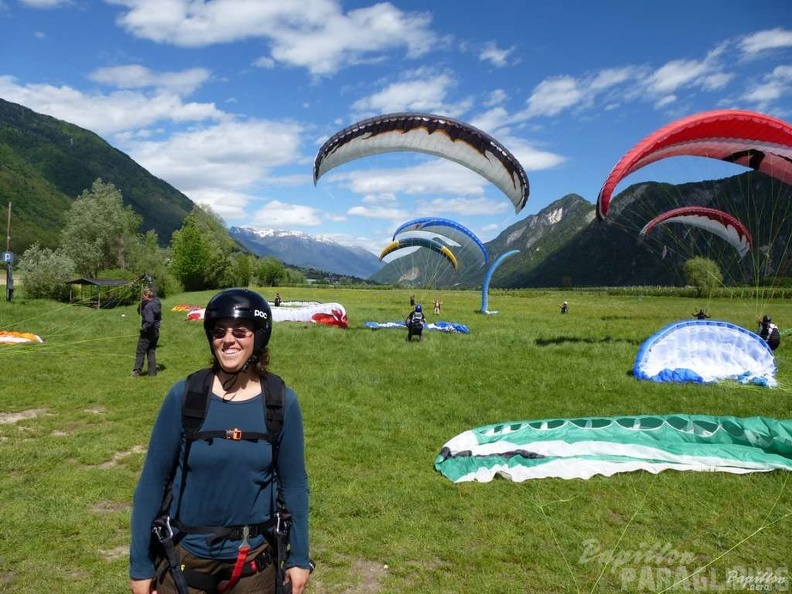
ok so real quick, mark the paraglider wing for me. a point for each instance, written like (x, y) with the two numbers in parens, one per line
(755, 140)
(585, 447)
(705, 351)
(716, 221)
(431, 134)
(431, 244)
(445, 228)
(488, 278)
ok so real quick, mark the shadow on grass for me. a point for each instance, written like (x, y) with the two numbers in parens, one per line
(577, 339)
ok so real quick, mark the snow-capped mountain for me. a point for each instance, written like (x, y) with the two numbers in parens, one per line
(308, 251)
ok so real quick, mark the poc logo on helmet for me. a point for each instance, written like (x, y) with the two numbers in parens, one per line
(257, 313)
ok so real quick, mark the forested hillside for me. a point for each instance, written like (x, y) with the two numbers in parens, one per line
(46, 163)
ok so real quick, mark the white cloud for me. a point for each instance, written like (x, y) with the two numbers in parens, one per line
(311, 34)
(282, 215)
(45, 4)
(425, 94)
(494, 55)
(763, 41)
(106, 114)
(773, 87)
(551, 97)
(134, 76)
(221, 164)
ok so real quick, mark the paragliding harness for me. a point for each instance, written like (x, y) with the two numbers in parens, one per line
(195, 404)
(416, 323)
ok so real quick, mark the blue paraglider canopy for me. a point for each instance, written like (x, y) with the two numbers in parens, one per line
(705, 351)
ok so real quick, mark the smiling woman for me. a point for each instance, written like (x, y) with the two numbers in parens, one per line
(217, 525)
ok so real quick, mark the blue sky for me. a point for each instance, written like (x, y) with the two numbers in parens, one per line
(229, 100)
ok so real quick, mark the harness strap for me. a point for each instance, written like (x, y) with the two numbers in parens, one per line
(227, 532)
(164, 533)
(232, 434)
(236, 573)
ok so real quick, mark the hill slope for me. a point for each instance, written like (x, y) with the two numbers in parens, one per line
(46, 163)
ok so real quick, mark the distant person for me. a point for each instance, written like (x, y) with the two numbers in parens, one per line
(412, 300)
(437, 304)
(415, 323)
(769, 332)
(277, 300)
(564, 307)
(700, 315)
(150, 310)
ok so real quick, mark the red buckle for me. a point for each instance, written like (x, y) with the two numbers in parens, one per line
(234, 434)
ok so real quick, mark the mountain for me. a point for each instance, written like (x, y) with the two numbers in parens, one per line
(537, 236)
(46, 163)
(307, 251)
(564, 245)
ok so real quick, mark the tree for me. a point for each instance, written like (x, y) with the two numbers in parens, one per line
(44, 272)
(270, 271)
(190, 256)
(704, 274)
(99, 231)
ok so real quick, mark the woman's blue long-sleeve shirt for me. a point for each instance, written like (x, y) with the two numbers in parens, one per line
(229, 483)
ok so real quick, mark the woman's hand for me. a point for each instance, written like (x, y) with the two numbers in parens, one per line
(298, 578)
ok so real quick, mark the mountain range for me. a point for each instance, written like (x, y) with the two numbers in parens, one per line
(46, 163)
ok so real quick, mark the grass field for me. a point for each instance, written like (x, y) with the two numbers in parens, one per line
(74, 429)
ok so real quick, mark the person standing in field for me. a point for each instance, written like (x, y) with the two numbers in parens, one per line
(437, 303)
(564, 307)
(150, 310)
(700, 315)
(239, 505)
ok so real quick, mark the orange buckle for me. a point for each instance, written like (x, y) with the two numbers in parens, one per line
(235, 434)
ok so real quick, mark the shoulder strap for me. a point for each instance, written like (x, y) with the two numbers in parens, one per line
(195, 404)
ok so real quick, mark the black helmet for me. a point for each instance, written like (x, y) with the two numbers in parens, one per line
(241, 304)
(767, 319)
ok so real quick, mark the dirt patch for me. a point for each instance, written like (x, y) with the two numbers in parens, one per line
(109, 507)
(138, 449)
(117, 553)
(11, 418)
(371, 573)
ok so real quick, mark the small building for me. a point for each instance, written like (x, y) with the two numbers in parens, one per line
(102, 292)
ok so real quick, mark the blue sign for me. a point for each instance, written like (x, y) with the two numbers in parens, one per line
(8, 257)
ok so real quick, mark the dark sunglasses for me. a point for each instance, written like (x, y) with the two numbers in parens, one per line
(236, 332)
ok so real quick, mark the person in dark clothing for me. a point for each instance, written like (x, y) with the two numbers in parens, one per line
(700, 315)
(769, 332)
(564, 307)
(415, 323)
(278, 300)
(412, 300)
(150, 310)
(223, 500)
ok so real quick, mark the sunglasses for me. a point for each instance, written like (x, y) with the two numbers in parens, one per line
(236, 332)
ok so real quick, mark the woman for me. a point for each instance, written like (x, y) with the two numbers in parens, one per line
(223, 507)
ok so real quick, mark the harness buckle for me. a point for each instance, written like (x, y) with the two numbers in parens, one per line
(233, 434)
(162, 529)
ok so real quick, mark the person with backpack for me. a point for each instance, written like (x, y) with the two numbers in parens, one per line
(769, 332)
(227, 452)
(415, 323)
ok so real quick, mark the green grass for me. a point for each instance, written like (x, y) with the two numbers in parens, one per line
(377, 411)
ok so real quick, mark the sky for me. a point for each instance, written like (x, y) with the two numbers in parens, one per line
(230, 100)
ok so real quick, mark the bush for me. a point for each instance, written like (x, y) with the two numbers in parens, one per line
(44, 273)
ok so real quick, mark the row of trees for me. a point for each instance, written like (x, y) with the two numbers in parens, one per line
(102, 238)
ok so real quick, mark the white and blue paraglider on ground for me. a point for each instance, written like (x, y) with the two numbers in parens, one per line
(705, 351)
(488, 277)
(585, 447)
